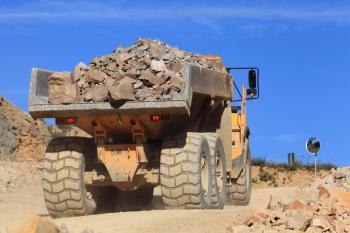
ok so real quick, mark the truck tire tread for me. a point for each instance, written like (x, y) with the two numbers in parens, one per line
(63, 179)
(180, 172)
(240, 190)
(218, 197)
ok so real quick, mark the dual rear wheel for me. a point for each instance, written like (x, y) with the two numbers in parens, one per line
(192, 171)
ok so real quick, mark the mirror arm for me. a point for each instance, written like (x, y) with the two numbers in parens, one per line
(257, 81)
(237, 89)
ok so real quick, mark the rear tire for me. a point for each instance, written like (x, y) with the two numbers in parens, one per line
(240, 189)
(185, 172)
(63, 177)
(219, 193)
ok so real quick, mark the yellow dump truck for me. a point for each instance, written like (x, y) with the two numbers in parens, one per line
(196, 148)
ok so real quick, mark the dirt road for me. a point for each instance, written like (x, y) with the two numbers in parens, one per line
(26, 201)
(166, 220)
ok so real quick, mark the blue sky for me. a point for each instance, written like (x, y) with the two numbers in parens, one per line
(301, 47)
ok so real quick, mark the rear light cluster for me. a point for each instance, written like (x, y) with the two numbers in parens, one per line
(71, 120)
(65, 121)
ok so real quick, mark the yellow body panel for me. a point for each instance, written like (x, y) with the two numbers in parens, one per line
(239, 124)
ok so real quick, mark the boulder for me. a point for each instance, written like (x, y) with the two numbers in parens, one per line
(169, 57)
(145, 93)
(95, 76)
(339, 173)
(298, 219)
(127, 81)
(298, 205)
(156, 51)
(176, 83)
(88, 95)
(158, 65)
(254, 220)
(61, 89)
(123, 92)
(109, 81)
(123, 57)
(178, 53)
(111, 66)
(138, 84)
(277, 218)
(99, 93)
(132, 72)
(175, 66)
(150, 79)
(321, 223)
(262, 202)
(79, 71)
(37, 224)
(250, 219)
(343, 197)
(322, 192)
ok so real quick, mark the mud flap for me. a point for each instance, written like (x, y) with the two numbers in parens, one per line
(237, 166)
(239, 162)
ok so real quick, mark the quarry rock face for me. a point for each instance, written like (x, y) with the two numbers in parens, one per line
(21, 137)
(149, 70)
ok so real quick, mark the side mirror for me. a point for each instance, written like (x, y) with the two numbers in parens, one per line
(252, 83)
(253, 87)
(252, 79)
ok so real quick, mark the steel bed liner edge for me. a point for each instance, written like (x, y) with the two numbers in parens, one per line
(200, 81)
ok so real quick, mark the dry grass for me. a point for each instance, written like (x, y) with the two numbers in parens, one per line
(262, 162)
(273, 174)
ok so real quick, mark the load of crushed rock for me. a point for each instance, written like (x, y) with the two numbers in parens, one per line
(21, 137)
(149, 70)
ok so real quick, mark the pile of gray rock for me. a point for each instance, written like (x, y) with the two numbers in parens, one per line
(319, 207)
(341, 177)
(149, 70)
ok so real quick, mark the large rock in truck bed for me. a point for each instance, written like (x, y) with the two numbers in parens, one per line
(149, 70)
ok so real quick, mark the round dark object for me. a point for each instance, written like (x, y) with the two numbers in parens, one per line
(313, 145)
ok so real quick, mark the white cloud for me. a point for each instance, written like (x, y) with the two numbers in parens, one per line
(282, 138)
(205, 15)
(285, 138)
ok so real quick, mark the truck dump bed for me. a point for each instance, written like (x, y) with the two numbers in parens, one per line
(198, 81)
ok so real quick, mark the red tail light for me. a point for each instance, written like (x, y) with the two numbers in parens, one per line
(70, 120)
(65, 121)
(155, 118)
